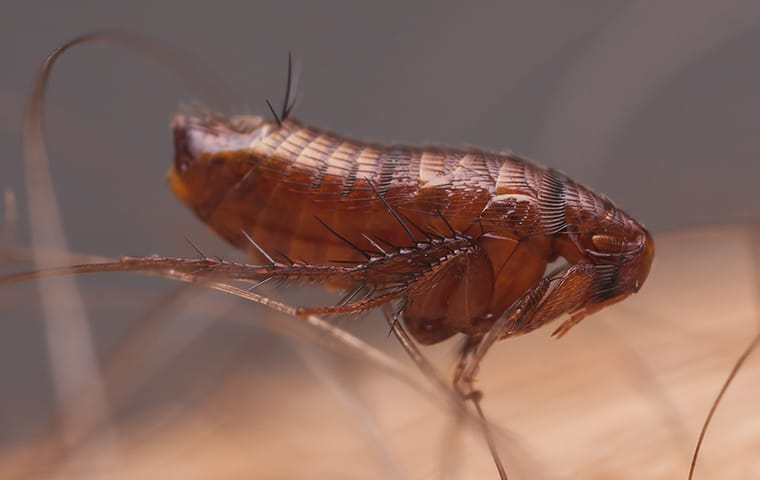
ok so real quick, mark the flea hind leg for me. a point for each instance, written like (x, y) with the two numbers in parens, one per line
(404, 274)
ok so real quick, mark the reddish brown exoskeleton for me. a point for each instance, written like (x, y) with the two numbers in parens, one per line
(460, 239)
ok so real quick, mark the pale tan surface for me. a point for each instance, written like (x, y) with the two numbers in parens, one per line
(621, 396)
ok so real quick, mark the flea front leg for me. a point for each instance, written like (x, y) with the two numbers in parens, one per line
(577, 290)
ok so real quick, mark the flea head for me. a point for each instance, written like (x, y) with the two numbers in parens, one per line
(630, 247)
(638, 266)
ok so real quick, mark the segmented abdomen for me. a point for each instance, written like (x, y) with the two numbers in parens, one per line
(289, 180)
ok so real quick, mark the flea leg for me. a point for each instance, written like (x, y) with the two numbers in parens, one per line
(577, 290)
(405, 274)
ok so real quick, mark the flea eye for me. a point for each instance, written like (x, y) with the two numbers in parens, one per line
(611, 244)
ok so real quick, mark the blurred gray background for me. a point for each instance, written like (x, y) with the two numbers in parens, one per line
(653, 103)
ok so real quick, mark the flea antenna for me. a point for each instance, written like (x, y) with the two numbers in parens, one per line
(274, 114)
(344, 239)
